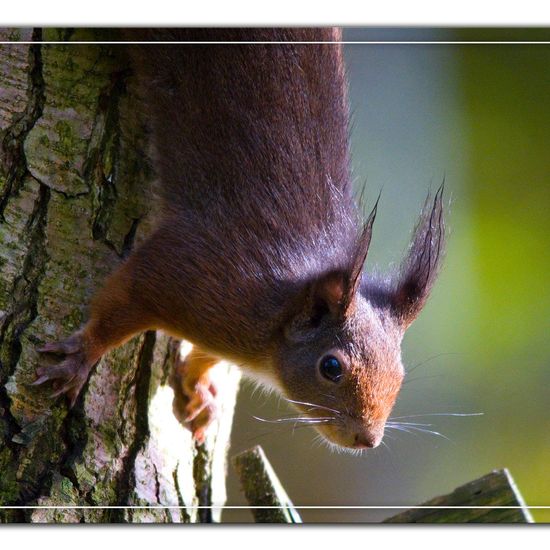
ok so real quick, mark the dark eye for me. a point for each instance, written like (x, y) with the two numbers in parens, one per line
(331, 368)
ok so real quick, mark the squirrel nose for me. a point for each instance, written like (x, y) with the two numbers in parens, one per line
(367, 440)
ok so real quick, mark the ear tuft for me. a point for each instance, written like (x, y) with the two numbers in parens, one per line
(420, 267)
(358, 260)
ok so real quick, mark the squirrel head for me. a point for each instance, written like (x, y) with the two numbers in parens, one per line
(339, 359)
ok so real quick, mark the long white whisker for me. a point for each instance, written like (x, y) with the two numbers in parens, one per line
(407, 424)
(400, 428)
(415, 429)
(432, 432)
(314, 405)
(294, 415)
(436, 414)
(298, 420)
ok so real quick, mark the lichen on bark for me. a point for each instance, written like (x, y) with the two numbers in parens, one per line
(75, 198)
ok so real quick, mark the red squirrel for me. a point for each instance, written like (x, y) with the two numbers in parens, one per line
(258, 252)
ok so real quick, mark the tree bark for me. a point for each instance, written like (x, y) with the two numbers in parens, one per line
(75, 198)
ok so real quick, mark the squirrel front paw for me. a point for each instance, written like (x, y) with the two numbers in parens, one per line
(195, 393)
(65, 364)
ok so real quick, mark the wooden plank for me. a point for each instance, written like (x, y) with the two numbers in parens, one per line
(262, 487)
(496, 489)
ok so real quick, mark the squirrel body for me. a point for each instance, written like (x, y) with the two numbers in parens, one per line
(258, 252)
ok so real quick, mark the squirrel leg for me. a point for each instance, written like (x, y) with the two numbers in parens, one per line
(195, 394)
(116, 316)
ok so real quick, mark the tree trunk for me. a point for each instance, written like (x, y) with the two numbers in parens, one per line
(75, 195)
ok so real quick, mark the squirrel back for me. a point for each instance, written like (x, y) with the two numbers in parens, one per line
(237, 124)
(252, 154)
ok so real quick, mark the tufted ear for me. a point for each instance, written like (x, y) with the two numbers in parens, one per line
(361, 249)
(322, 297)
(419, 269)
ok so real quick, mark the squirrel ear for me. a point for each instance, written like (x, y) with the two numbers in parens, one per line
(358, 260)
(323, 296)
(332, 293)
(421, 264)
(326, 295)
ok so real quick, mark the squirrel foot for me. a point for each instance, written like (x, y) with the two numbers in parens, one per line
(194, 392)
(69, 372)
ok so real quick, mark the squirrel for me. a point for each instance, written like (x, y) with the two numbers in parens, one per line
(257, 255)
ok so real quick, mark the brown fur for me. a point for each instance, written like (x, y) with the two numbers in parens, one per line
(259, 249)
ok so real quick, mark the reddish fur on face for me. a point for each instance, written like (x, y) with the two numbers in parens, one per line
(258, 252)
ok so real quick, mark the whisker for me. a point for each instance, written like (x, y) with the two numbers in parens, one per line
(294, 415)
(346, 409)
(297, 420)
(407, 380)
(435, 414)
(307, 404)
(279, 429)
(317, 441)
(422, 363)
(397, 423)
(413, 430)
(389, 423)
(386, 446)
(399, 428)
(432, 432)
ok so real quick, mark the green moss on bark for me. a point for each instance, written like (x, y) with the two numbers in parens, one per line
(74, 196)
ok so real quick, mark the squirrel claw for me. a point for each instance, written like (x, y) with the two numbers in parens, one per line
(64, 388)
(39, 380)
(69, 373)
(68, 346)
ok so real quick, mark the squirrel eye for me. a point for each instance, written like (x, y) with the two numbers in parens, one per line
(331, 368)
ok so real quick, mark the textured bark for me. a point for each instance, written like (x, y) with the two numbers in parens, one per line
(496, 489)
(262, 488)
(75, 197)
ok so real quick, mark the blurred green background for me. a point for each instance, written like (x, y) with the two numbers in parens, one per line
(478, 115)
